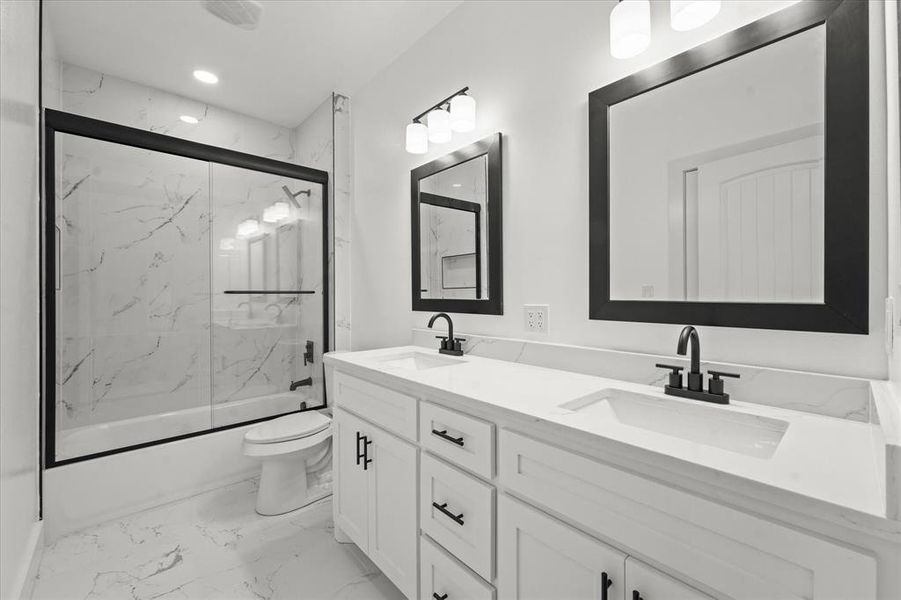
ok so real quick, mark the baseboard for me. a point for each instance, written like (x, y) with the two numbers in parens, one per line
(23, 585)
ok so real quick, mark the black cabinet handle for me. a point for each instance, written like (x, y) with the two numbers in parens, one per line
(437, 597)
(636, 595)
(366, 460)
(458, 519)
(359, 452)
(606, 582)
(443, 435)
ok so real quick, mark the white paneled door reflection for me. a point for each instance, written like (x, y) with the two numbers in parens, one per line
(759, 225)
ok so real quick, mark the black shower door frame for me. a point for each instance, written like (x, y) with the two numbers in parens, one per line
(62, 122)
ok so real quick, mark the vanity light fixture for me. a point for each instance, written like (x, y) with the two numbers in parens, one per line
(248, 228)
(690, 14)
(457, 112)
(189, 119)
(205, 76)
(439, 126)
(463, 113)
(630, 28)
(417, 138)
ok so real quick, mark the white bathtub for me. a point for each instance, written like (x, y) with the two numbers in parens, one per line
(90, 439)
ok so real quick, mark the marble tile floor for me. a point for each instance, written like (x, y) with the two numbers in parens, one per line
(211, 546)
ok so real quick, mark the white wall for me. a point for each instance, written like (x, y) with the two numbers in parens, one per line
(531, 66)
(19, 299)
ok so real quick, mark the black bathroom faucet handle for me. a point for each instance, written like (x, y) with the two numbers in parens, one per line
(718, 374)
(675, 376)
(715, 385)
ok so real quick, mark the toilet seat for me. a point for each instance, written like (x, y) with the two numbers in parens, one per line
(290, 427)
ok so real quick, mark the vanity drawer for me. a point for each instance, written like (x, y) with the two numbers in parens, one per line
(391, 410)
(464, 523)
(461, 439)
(441, 576)
(739, 555)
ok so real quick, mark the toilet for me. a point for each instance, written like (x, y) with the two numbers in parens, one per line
(296, 455)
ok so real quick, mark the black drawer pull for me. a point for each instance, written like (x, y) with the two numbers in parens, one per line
(443, 435)
(606, 582)
(359, 452)
(458, 519)
(636, 595)
(437, 597)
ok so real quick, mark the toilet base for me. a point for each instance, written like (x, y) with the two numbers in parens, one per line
(285, 486)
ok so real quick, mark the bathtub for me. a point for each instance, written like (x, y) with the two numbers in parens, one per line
(90, 439)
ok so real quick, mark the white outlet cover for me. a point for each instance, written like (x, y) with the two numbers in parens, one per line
(535, 318)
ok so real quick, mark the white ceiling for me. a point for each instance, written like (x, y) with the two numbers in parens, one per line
(301, 51)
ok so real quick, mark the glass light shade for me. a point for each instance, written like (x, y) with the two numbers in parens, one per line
(630, 28)
(248, 228)
(417, 138)
(277, 212)
(689, 14)
(439, 126)
(463, 113)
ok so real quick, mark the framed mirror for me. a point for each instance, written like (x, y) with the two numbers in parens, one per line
(729, 184)
(456, 231)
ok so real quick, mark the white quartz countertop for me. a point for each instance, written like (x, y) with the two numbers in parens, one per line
(832, 460)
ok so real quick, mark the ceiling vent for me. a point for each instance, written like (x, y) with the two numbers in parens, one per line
(240, 13)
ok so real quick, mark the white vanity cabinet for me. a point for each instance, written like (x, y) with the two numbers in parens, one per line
(375, 496)
(540, 557)
(471, 507)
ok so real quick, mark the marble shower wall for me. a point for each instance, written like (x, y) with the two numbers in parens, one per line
(142, 250)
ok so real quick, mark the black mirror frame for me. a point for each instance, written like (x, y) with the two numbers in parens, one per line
(494, 304)
(846, 206)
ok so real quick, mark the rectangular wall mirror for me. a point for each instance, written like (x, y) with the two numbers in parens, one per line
(456, 231)
(729, 183)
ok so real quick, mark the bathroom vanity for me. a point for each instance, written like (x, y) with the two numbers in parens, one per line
(478, 478)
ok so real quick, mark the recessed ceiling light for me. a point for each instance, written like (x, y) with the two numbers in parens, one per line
(205, 76)
(189, 119)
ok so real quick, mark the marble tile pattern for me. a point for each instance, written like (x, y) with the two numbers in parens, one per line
(148, 245)
(342, 224)
(828, 395)
(211, 546)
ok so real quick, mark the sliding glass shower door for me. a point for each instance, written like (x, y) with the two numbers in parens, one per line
(185, 288)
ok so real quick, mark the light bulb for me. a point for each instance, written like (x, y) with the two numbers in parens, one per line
(247, 228)
(630, 28)
(689, 14)
(463, 113)
(439, 126)
(277, 212)
(417, 138)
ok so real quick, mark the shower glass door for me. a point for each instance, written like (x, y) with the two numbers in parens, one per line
(267, 321)
(186, 288)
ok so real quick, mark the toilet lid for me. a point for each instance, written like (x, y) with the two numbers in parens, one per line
(290, 427)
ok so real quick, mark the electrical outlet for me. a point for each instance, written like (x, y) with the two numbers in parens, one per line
(536, 317)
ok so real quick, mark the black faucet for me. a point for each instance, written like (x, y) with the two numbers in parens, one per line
(301, 383)
(449, 344)
(695, 377)
(695, 389)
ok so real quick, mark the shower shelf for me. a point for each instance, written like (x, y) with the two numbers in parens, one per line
(258, 292)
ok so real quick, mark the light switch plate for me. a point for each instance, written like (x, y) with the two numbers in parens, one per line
(535, 317)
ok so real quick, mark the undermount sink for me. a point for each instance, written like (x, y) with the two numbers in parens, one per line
(419, 361)
(751, 435)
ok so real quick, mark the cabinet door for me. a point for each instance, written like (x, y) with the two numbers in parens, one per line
(646, 583)
(542, 558)
(393, 519)
(351, 487)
